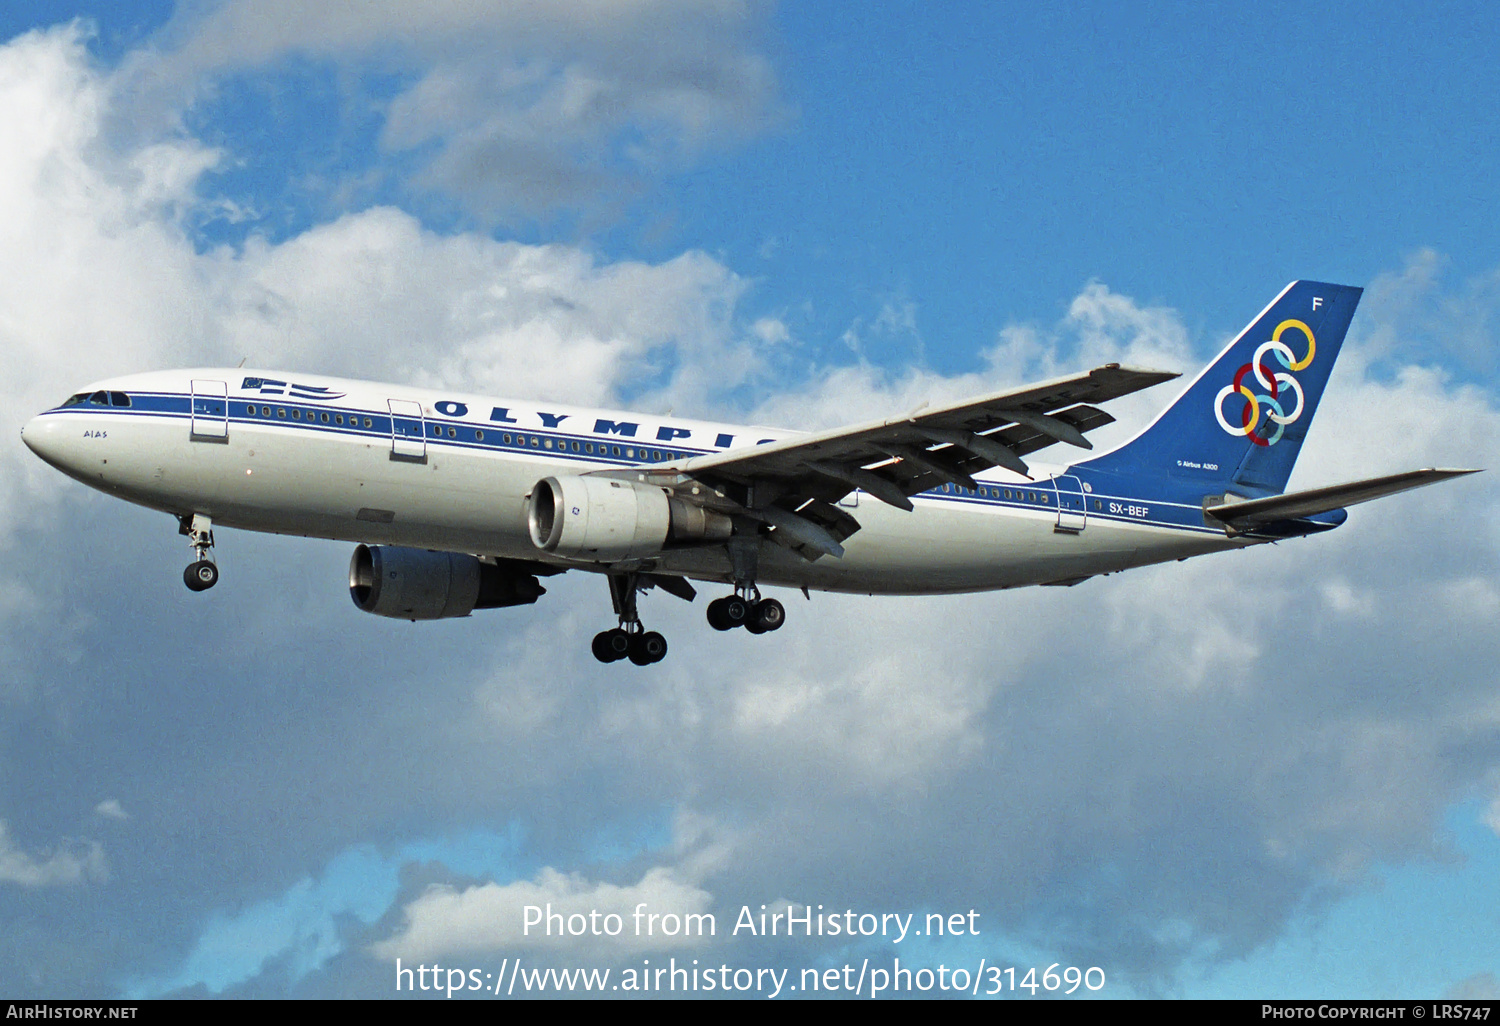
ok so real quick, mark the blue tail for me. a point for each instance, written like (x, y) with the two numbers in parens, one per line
(1239, 426)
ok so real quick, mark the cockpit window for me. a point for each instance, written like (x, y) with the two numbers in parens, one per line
(99, 398)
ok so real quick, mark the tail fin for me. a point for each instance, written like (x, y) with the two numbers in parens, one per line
(1240, 424)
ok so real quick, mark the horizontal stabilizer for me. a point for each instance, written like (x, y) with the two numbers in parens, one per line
(1246, 515)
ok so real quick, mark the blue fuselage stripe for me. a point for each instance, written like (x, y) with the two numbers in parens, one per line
(487, 437)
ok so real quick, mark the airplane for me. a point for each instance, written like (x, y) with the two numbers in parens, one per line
(460, 502)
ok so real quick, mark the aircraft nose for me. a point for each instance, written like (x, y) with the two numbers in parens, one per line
(29, 433)
(42, 435)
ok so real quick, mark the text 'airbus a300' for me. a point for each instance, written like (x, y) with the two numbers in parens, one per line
(461, 502)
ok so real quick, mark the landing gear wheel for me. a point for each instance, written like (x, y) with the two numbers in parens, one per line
(768, 616)
(611, 645)
(647, 648)
(718, 619)
(600, 647)
(200, 576)
(735, 610)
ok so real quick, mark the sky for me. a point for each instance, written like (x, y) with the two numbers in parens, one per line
(1271, 773)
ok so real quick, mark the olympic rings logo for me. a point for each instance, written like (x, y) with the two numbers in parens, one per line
(1276, 384)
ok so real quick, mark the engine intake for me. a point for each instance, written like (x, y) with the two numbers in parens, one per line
(605, 520)
(416, 584)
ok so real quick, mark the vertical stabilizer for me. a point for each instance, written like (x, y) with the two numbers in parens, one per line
(1239, 426)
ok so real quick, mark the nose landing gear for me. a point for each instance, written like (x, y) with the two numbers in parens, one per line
(203, 572)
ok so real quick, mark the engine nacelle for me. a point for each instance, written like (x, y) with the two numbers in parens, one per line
(602, 519)
(415, 584)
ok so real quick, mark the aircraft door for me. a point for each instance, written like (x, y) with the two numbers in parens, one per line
(408, 430)
(210, 411)
(1072, 505)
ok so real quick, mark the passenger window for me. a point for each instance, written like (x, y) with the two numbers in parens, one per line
(323, 418)
(506, 439)
(338, 418)
(588, 447)
(478, 435)
(265, 411)
(281, 413)
(453, 432)
(368, 422)
(547, 444)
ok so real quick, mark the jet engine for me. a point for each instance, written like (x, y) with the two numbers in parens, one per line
(415, 584)
(605, 520)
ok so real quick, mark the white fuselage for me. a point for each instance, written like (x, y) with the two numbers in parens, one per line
(363, 462)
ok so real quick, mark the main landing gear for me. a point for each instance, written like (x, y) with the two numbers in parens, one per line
(745, 608)
(629, 640)
(203, 572)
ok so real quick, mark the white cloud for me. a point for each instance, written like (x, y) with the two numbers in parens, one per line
(79, 863)
(770, 330)
(592, 917)
(111, 808)
(376, 295)
(526, 107)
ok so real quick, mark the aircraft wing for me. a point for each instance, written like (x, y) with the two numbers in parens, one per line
(1238, 517)
(794, 482)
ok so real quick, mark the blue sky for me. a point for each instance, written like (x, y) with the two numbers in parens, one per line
(1275, 773)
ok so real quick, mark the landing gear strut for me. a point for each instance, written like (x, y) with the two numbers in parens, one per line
(203, 572)
(629, 640)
